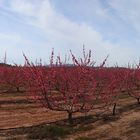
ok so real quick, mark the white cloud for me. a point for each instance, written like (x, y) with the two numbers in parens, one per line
(11, 44)
(22, 7)
(1, 2)
(64, 34)
(128, 10)
(10, 38)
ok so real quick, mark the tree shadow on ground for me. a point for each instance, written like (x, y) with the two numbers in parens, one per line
(52, 131)
(58, 129)
(125, 108)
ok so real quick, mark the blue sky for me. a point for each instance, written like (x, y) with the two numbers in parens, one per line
(104, 26)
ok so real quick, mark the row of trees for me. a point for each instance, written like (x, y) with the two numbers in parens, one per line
(80, 87)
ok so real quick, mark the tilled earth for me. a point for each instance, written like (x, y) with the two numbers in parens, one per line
(16, 113)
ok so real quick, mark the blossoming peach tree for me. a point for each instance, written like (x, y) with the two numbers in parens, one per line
(75, 88)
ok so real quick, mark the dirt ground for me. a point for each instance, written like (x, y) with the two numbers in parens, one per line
(17, 112)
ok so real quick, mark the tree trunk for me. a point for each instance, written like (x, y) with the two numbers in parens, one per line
(114, 109)
(138, 99)
(18, 90)
(70, 118)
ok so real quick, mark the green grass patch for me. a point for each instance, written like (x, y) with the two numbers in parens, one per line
(48, 131)
(52, 131)
(84, 138)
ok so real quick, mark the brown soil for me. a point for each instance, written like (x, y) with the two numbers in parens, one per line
(16, 113)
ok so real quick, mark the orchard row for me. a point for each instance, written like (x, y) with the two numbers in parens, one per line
(80, 87)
